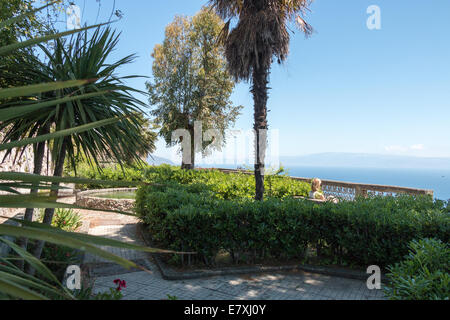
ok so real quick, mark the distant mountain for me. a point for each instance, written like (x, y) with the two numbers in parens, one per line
(365, 160)
(156, 161)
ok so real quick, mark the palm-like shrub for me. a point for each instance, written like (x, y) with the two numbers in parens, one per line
(17, 102)
(85, 57)
(105, 96)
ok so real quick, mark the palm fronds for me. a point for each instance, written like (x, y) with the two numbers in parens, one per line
(260, 33)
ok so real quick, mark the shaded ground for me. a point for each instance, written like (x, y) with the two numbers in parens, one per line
(287, 286)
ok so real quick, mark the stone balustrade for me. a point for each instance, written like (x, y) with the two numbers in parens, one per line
(350, 190)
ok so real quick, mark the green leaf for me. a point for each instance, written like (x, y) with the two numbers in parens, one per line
(34, 178)
(6, 23)
(28, 43)
(25, 185)
(10, 268)
(32, 260)
(19, 111)
(8, 189)
(18, 291)
(61, 239)
(38, 201)
(32, 282)
(91, 239)
(39, 88)
(58, 134)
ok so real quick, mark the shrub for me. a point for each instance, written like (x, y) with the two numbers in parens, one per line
(111, 173)
(57, 257)
(362, 232)
(65, 219)
(423, 275)
(227, 186)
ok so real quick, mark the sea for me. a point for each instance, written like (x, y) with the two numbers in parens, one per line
(437, 180)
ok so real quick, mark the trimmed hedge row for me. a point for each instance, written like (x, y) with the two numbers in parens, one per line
(362, 232)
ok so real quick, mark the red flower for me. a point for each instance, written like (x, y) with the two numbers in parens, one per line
(121, 284)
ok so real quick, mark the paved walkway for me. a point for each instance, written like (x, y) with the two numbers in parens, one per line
(301, 286)
(150, 285)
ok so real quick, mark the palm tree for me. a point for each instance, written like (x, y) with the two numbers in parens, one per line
(260, 35)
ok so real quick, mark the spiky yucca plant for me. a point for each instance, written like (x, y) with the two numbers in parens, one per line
(14, 282)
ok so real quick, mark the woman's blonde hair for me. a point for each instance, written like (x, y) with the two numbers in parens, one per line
(315, 184)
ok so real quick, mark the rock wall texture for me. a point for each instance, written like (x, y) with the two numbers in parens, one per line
(22, 161)
(87, 199)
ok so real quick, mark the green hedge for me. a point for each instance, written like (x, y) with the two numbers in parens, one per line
(110, 173)
(423, 275)
(227, 186)
(224, 186)
(362, 232)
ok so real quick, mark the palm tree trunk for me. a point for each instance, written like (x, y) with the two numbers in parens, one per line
(39, 154)
(49, 212)
(260, 96)
(38, 164)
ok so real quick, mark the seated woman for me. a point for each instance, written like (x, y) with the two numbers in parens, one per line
(316, 192)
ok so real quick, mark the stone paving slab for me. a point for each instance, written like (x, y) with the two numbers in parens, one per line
(144, 286)
(124, 233)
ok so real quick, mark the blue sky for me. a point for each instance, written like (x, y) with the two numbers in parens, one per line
(345, 89)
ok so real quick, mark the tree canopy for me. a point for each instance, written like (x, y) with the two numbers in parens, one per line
(191, 81)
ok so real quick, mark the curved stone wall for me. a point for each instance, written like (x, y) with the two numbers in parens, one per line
(89, 200)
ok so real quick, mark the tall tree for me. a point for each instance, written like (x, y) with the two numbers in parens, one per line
(260, 35)
(191, 82)
(33, 25)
